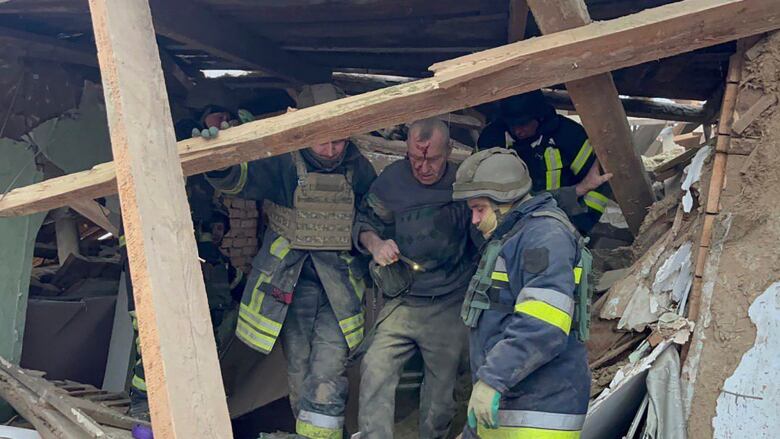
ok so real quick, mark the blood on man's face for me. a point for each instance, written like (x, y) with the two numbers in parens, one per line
(428, 157)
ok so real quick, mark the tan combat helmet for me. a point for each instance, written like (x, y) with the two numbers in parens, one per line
(495, 173)
(315, 94)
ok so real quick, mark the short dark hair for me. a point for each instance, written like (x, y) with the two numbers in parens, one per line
(426, 127)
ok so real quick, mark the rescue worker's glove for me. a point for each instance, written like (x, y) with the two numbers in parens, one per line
(483, 406)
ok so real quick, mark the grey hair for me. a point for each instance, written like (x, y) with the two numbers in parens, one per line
(425, 128)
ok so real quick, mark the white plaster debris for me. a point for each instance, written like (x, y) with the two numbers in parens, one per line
(692, 175)
(749, 400)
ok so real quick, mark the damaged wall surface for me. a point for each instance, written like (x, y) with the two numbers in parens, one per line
(17, 236)
(748, 266)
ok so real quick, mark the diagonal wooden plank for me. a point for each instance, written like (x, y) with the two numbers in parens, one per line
(526, 65)
(598, 104)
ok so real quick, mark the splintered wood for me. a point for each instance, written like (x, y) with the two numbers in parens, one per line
(464, 82)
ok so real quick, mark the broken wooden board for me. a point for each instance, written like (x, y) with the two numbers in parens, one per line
(753, 113)
(484, 77)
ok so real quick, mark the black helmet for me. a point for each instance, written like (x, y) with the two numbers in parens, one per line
(521, 109)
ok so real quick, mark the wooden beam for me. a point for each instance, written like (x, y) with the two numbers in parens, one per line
(204, 30)
(52, 49)
(518, 19)
(398, 147)
(186, 396)
(598, 105)
(638, 107)
(523, 66)
(610, 45)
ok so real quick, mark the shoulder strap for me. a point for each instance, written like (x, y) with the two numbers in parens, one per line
(300, 166)
(563, 219)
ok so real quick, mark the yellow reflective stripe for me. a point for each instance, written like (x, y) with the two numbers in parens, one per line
(256, 300)
(314, 432)
(139, 383)
(122, 241)
(261, 342)
(349, 324)
(242, 178)
(577, 275)
(259, 322)
(237, 280)
(546, 313)
(354, 338)
(497, 275)
(134, 319)
(596, 201)
(358, 285)
(582, 157)
(525, 433)
(552, 160)
(280, 247)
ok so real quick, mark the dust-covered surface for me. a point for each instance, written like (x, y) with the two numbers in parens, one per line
(749, 261)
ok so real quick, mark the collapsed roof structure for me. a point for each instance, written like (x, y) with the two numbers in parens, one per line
(400, 61)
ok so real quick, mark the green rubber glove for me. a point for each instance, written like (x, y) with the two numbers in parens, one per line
(483, 406)
(245, 116)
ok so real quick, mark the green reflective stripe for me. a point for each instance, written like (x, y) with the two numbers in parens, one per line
(577, 275)
(596, 201)
(242, 177)
(551, 297)
(358, 285)
(313, 432)
(349, 324)
(259, 322)
(542, 420)
(139, 383)
(582, 157)
(546, 313)
(205, 237)
(525, 433)
(261, 342)
(320, 420)
(280, 247)
(256, 300)
(354, 338)
(122, 241)
(552, 160)
(497, 275)
(134, 319)
(237, 280)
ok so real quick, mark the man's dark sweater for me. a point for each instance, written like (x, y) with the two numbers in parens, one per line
(429, 228)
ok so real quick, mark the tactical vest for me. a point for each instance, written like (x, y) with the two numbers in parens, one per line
(322, 214)
(491, 277)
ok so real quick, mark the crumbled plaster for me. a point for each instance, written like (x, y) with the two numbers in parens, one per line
(749, 400)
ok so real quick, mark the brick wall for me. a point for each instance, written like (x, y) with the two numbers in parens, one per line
(241, 243)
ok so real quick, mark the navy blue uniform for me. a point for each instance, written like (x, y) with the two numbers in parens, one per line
(558, 158)
(531, 355)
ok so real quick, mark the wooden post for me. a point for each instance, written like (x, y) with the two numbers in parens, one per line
(518, 19)
(598, 105)
(186, 396)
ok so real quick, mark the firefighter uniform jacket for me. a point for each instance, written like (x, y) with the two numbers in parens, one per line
(276, 268)
(524, 346)
(558, 158)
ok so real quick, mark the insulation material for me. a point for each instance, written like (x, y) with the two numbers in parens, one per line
(693, 174)
(17, 235)
(656, 283)
(748, 403)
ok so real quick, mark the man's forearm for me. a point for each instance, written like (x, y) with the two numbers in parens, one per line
(369, 240)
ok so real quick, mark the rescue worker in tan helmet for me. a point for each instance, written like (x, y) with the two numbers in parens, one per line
(306, 286)
(529, 366)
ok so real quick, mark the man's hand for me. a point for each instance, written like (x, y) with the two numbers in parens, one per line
(593, 179)
(385, 252)
(483, 406)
